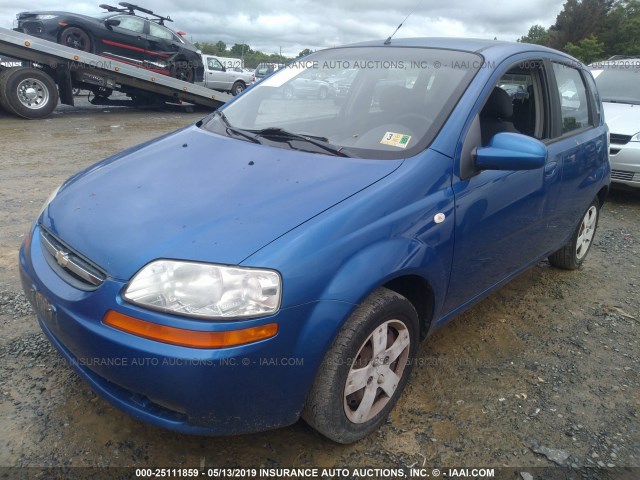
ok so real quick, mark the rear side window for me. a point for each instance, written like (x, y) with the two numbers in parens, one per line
(159, 32)
(574, 101)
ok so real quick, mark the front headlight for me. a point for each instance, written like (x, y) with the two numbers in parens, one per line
(636, 137)
(45, 17)
(205, 290)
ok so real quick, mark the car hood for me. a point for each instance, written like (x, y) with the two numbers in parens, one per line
(622, 118)
(196, 195)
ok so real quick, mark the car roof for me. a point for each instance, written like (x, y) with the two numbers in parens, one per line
(488, 48)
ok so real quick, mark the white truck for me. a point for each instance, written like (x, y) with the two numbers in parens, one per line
(218, 76)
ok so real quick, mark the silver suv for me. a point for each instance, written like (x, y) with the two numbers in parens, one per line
(618, 81)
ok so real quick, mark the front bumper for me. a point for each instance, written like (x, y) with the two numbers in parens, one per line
(47, 30)
(625, 163)
(242, 389)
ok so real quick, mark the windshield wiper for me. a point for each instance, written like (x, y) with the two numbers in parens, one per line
(321, 142)
(235, 131)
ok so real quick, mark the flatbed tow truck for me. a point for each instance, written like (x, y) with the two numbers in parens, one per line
(50, 72)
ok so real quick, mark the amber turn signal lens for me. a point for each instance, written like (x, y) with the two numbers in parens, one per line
(188, 338)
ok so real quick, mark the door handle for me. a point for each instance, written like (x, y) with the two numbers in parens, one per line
(550, 169)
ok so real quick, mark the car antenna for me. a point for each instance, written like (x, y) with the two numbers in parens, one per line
(388, 40)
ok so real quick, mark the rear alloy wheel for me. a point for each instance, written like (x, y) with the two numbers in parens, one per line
(571, 256)
(28, 92)
(238, 88)
(77, 38)
(182, 71)
(366, 369)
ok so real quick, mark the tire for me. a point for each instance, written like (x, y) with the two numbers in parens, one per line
(28, 92)
(288, 92)
(77, 38)
(571, 256)
(182, 71)
(354, 391)
(238, 88)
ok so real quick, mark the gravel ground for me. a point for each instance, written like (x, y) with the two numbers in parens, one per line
(543, 373)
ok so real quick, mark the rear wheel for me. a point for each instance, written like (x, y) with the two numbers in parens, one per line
(77, 38)
(182, 71)
(365, 370)
(571, 256)
(28, 92)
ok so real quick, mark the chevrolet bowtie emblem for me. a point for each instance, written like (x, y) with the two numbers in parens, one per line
(62, 258)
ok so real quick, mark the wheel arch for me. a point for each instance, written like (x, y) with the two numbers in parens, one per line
(602, 195)
(418, 291)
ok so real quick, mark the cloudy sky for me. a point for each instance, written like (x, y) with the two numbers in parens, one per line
(293, 25)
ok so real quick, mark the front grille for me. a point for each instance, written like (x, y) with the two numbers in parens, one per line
(69, 265)
(620, 139)
(620, 175)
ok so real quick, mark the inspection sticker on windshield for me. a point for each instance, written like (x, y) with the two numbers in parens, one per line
(396, 139)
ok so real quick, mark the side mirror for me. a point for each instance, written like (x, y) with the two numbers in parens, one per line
(511, 151)
(111, 22)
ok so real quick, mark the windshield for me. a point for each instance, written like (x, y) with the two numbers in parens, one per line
(619, 85)
(368, 102)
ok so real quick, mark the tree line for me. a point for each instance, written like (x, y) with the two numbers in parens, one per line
(252, 58)
(592, 30)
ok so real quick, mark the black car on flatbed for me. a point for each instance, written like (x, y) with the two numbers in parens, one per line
(122, 34)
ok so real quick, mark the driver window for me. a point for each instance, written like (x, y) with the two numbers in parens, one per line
(129, 22)
(214, 64)
(515, 104)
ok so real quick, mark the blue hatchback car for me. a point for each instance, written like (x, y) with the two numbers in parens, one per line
(283, 257)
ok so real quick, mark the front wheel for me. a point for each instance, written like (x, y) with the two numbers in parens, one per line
(366, 369)
(238, 88)
(288, 92)
(77, 38)
(571, 256)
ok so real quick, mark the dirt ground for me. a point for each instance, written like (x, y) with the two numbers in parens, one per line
(544, 372)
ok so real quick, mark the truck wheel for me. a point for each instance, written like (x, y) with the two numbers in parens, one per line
(28, 92)
(238, 88)
(77, 38)
(365, 370)
(571, 256)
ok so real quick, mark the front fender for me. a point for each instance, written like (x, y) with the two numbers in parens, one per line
(382, 262)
